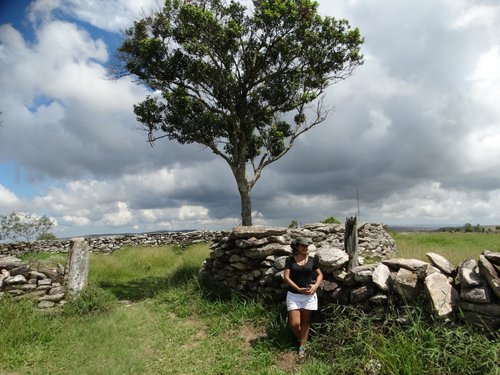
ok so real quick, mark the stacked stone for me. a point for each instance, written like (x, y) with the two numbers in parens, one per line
(19, 280)
(479, 282)
(251, 259)
(246, 260)
(108, 244)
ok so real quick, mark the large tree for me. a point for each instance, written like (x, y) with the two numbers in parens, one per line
(243, 82)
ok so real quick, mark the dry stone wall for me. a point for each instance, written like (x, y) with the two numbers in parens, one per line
(19, 279)
(108, 244)
(251, 260)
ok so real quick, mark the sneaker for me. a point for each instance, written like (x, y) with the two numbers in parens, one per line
(301, 352)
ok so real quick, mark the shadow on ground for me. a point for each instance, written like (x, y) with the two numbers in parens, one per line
(148, 287)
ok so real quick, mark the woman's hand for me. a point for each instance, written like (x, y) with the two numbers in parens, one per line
(312, 289)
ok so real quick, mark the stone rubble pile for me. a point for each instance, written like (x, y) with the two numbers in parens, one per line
(251, 260)
(44, 285)
(108, 244)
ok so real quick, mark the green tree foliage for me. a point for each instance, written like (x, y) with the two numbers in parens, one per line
(24, 226)
(293, 224)
(243, 82)
(331, 220)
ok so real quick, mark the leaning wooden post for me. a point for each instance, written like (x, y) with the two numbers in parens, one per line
(351, 242)
(77, 269)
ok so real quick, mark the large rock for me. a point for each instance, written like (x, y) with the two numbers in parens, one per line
(492, 309)
(478, 294)
(441, 263)
(331, 258)
(279, 262)
(380, 276)
(408, 264)
(485, 316)
(20, 270)
(250, 242)
(468, 274)
(12, 280)
(406, 284)
(493, 257)
(441, 293)
(472, 285)
(266, 250)
(490, 274)
(363, 274)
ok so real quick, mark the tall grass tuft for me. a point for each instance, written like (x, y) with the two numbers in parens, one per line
(353, 341)
(24, 332)
(92, 300)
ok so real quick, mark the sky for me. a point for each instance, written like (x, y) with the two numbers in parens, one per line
(413, 138)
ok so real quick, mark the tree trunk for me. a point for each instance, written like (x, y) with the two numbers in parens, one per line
(244, 190)
(246, 207)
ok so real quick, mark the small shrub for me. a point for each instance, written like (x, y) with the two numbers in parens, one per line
(331, 220)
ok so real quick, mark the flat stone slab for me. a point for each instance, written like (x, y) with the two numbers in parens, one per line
(9, 262)
(441, 263)
(409, 264)
(441, 293)
(17, 279)
(266, 250)
(257, 231)
(489, 272)
(493, 257)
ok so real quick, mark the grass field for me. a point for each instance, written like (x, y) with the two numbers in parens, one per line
(147, 312)
(455, 247)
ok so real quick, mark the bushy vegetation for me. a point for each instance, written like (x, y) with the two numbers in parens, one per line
(147, 311)
(331, 220)
(400, 341)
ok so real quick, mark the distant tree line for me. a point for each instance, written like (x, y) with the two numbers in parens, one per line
(469, 228)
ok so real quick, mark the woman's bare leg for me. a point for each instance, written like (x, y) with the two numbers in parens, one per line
(294, 321)
(305, 324)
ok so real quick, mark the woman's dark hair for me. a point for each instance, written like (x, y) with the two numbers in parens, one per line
(299, 241)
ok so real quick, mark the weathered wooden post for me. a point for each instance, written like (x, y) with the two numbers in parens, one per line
(77, 269)
(351, 242)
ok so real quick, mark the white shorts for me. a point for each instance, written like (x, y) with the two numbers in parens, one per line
(295, 301)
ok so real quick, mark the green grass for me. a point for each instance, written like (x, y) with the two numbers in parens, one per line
(455, 247)
(146, 311)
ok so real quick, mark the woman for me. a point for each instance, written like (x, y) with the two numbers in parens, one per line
(303, 276)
